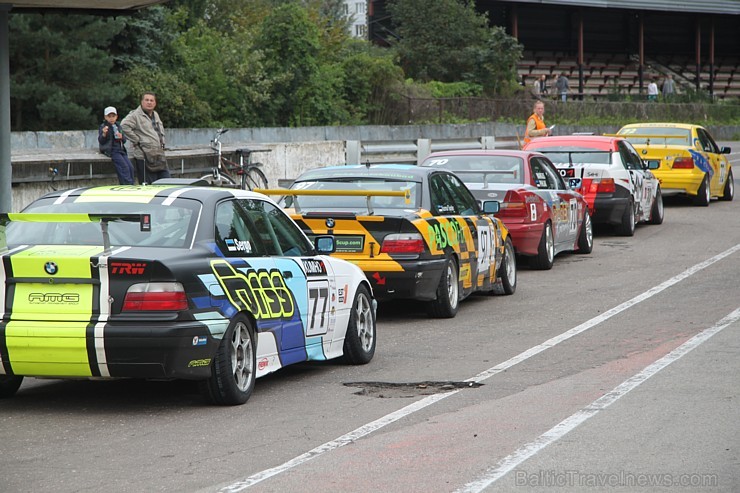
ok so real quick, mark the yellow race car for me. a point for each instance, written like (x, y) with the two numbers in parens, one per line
(691, 162)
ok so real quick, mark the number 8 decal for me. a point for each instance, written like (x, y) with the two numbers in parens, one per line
(533, 211)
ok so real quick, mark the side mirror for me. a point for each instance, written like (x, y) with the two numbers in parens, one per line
(491, 206)
(325, 244)
(725, 150)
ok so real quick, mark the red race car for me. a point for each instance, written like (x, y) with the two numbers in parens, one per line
(543, 215)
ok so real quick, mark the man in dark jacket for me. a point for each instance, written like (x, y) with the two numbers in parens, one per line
(111, 143)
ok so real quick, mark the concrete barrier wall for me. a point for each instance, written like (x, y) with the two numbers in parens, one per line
(293, 150)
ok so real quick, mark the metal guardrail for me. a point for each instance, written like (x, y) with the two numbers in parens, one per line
(414, 151)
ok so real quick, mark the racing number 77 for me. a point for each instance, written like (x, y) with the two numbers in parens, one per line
(317, 295)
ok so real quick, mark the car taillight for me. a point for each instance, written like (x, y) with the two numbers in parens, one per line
(683, 163)
(155, 296)
(513, 206)
(403, 243)
(603, 185)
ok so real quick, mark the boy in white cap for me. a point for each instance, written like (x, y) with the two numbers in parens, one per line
(111, 141)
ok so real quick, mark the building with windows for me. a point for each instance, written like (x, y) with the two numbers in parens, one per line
(356, 11)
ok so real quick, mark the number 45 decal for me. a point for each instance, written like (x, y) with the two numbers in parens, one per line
(318, 308)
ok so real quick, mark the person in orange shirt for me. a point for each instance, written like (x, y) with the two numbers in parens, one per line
(536, 124)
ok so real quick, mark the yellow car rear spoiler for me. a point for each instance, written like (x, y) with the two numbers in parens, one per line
(144, 220)
(406, 194)
(647, 137)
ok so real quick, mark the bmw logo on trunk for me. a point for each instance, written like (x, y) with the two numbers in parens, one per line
(51, 268)
(329, 223)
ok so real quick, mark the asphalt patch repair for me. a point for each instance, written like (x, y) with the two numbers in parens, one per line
(390, 390)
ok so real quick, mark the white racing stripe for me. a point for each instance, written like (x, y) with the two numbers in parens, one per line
(429, 400)
(555, 433)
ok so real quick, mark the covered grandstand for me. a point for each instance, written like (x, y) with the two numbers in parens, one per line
(608, 47)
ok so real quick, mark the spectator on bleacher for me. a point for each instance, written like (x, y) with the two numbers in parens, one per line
(536, 124)
(669, 88)
(111, 143)
(542, 81)
(652, 91)
(562, 87)
(536, 88)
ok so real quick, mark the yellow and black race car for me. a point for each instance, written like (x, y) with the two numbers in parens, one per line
(417, 233)
(164, 282)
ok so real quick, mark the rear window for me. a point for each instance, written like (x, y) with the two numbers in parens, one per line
(682, 136)
(354, 203)
(172, 226)
(481, 169)
(575, 155)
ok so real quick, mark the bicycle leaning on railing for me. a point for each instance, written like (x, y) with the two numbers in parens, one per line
(244, 173)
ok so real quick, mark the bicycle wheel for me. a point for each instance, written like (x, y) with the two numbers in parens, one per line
(253, 178)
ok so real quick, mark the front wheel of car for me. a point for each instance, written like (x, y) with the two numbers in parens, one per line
(586, 236)
(703, 195)
(359, 342)
(506, 283)
(448, 292)
(729, 192)
(9, 385)
(233, 369)
(545, 251)
(627, 226)
(657, 212)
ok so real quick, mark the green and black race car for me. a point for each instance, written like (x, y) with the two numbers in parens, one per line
(417, 233)
(172, 282)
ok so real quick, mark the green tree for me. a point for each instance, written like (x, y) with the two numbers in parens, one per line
(61, 70)
(495, 63)
(439, 39)
(290, 43)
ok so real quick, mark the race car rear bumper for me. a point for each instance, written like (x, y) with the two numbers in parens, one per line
(418, 280)
(159, 350)
(609, 208)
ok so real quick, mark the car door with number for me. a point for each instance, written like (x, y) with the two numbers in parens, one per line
(560, 199)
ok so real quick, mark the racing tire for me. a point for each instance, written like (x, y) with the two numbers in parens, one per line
(506, 282)
(729, 192)
(627, 226)
(233, 369)
(703, 195)
(254, 178)
(9, 385)
(222, 181)
(359, 342)
(586, 236)
(448, 292)
(545, 251)
(657, 212)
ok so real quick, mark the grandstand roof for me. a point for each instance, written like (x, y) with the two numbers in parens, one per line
(731, 7)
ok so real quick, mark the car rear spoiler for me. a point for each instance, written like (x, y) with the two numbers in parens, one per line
(486, 173)
(406, 194)
(648, 137)
(144, 220)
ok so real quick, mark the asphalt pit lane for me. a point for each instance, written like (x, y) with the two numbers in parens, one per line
(392, 390)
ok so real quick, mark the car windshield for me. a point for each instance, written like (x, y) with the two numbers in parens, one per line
(641, 135)
(576, 155)
(480, 170)
(172, 225)
(353, 203)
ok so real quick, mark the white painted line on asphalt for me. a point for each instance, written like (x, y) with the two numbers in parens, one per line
(369, 428)
(557, 432)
